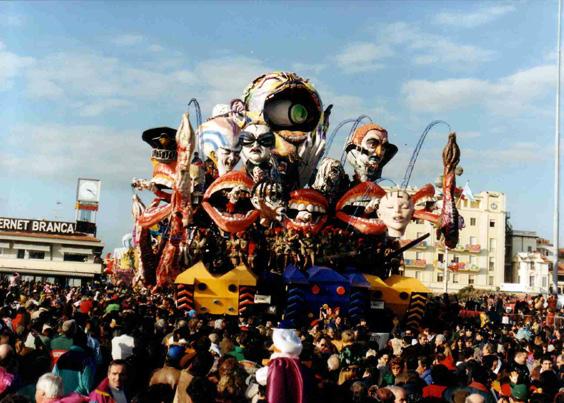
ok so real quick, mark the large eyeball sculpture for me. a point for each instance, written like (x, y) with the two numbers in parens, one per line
(289, 104)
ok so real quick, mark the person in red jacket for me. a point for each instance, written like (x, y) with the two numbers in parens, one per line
(439, 376)
(112, 388)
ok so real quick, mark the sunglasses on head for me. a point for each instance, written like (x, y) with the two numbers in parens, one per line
(265, 139)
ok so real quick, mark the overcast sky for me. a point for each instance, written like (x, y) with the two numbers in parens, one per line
(80, 81)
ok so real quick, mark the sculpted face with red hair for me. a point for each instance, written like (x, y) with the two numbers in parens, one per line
(369, 150)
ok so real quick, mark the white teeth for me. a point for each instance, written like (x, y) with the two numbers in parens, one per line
(231, 185)
(361, 203)
(322, 210)
(234, 217)
(301, 207)
(293, 206)
(310, 208)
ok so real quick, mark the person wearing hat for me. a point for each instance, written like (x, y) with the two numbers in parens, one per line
(519, 393)
(198, 369)
(46, 335)
(170, 372)
(284, 376)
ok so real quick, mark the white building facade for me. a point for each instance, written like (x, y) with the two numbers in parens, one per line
(48, 251)
(479, 258)
(530, 264)
(532, 274)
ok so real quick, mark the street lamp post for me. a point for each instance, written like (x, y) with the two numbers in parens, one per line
(557, 161)
(445, 278)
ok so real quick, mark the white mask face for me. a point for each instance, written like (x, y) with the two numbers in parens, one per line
(396, 210)
(257, 142)
(227, 158)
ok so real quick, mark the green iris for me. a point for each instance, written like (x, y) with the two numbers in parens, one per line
(298, 113)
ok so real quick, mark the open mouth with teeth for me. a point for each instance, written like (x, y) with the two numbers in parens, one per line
(228, 202)
(424, 203)
(357, 208)
(163, 174)
(307, 211)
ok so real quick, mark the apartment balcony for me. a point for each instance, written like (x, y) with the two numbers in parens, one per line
(421, 245)
(458, 267)
(415, 263)
(50, 267)
(462, 248)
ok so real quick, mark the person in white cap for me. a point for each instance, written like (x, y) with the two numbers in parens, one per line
(284, 376)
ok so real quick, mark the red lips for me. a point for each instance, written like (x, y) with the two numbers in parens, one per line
(154, 214)
(427, 191)
(226, 215)
(164, 173)
(350, 208)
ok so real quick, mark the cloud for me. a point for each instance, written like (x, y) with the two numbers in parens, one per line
(441, 50)
(99, 107)
(422, 48)
(63, 152)
(224, 78)
(155, 48)
(11, 20)
(90, 78)
(363, 56)
(474, 19)
(506, 96)
(12, 66)
(443, 95)
(128, 39)
(517, 153)
(427, 48)
(93, 84)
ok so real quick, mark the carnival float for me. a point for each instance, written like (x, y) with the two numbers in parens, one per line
(249, 213)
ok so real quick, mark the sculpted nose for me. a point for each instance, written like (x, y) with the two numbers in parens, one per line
(378, 150)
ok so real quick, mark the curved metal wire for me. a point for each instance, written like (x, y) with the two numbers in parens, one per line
(194, 102)
(351, 132)
(331, 137)
(415, 154)
(380, 180)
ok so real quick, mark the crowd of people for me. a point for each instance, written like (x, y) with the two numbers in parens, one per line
(100, 343)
